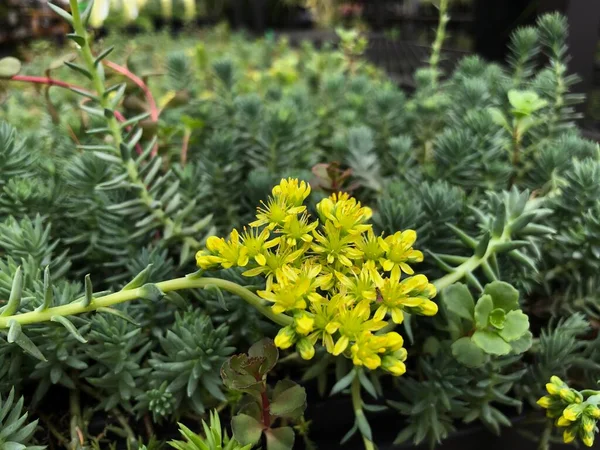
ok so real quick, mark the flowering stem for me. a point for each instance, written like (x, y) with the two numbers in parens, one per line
(177, 284)
(357, 404)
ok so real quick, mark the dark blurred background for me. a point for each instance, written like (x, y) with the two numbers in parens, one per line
(400, 31)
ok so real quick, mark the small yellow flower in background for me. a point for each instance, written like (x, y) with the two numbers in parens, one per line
(292, 192)
(333, 276)
(572, 410)
(399, 252)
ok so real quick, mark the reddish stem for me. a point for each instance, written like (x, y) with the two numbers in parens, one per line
(47, 81)
(266, 416)
(52, 82)
(143, 86)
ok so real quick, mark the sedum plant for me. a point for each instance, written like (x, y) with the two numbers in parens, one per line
(215, 438)
(107, 177)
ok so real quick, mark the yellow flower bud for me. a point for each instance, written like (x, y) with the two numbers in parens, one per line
(567, 395)
(588, 439)
(393, 341)
(305, 348)
(555, 380)
(429, 308)
(304, 324)
(572, 412)
(552, 389)
(393, 365)
(588, 424)
(569, 435)
(285, 338)
(562, 422)
(593, 411)
(545, 401)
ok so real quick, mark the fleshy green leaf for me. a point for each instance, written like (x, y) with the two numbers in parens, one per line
(265, 349)
(291, 401)
(16, 291)
(497, 318)
(483, 309)
(503, 295)
(459, 300)
(280, 438)
(70, 327)
(16, 336)
(522, 344)
(246, 430)
(467, 353)
(139, 280)
(491, 343)
(515, 326)
(61, 12)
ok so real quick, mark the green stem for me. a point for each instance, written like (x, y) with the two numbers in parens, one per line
(440, 35)
(545, 439)
(177, 284)
(472, 263)
(357, 404)
(76, 423)
(589, 392)
(125, 425)
(115, 128)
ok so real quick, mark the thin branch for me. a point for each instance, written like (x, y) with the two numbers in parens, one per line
(143, 86)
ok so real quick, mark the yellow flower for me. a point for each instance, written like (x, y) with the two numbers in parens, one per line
(368, 348)
(274, 212)
(334, 247)
(352, 322)
(345, 213)
(257, 244)
(292, 192)
(365, 351)
(284, 298)
(282, 257)
(298, 229)
(411, 294)
(325, 312)
(358, 287)
(399, 252)
(226, 253)
(372, 252)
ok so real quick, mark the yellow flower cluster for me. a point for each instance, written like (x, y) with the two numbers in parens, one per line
(571, 412)
(334, 276)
